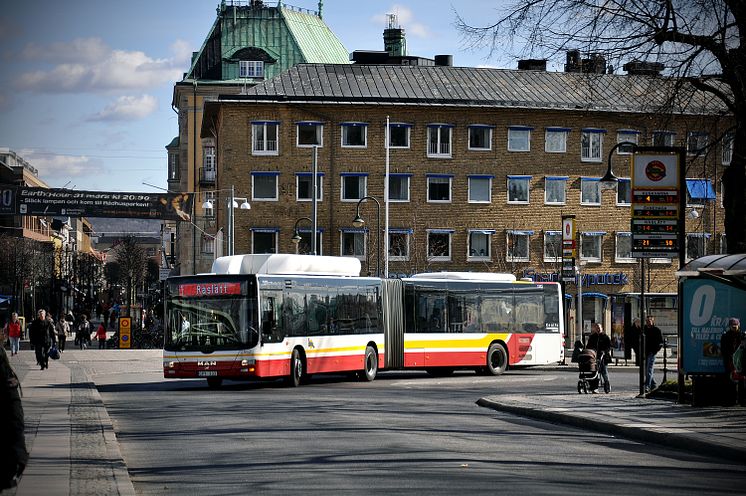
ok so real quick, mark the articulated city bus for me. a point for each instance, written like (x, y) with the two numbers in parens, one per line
(290, 316)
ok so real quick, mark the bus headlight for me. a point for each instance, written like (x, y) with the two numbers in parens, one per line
(171, 365)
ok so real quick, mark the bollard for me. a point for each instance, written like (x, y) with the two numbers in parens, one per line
(665, 362)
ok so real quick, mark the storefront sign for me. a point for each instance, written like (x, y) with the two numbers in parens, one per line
(608, 278)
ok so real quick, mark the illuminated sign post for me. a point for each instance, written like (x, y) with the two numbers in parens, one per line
(569, 248)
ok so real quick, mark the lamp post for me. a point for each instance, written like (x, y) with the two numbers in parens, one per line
(296, 239)
(359, 222)
(231, 204)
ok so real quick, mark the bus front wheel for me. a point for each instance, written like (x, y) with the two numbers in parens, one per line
(497, 359)
(370, 365)
(297, 369)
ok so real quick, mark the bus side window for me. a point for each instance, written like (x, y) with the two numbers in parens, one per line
(271, 328)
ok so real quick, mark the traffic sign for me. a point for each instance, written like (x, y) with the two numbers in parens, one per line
(125, 332)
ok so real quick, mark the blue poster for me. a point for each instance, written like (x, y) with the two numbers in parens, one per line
(707, 306)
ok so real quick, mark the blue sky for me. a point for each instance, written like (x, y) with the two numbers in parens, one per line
(86, 86)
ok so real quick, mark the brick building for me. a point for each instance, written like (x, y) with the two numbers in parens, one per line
(483, 164)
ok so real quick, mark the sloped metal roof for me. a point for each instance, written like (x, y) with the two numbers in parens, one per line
(726, 264)
(467, 86)
(316, 41)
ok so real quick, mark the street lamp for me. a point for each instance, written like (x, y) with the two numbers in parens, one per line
(360, 222)
(296, 239)
(609, 180)
(232, 204)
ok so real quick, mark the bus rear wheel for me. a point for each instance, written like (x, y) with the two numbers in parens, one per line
(497, 359)
(370, 365)
(297, 369)
(214, 382)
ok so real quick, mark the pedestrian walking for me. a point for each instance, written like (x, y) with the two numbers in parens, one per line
(730, 342)
(83, 333)
(101, 336)
(42, 337)
(63, 329)
(653, 344)
(13, 453)
(600, 341)
(13, 330)
(632, 341)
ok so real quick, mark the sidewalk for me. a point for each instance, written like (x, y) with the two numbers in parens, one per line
(72, 445)
(713, 431)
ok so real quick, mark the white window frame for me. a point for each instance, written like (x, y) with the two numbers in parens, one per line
(477, 257)
(617, 256)
(630, 135)
(275, 237)
(513, 234)
(723, 244)
(209, 213)
(407, 236)
(547, 256)
(489, 188)
(319, 187)
(592, 145)
(208, 244)
(440, 142)
(305, 235)
(408, 134)
(450, 188)
(343, 187)
(555, 179)
(276, 176)
(319, 134)
(527, 179)
(266, 143)
(479, 127)
(700, 140)
(440, 258)
(727, 144)
(669, 137)
(251, 69)
(555, 131)
(209, 162)
(408, 178)
(597, 258)
(595, 180)
(355, 233)
(619, 203)
(703, 236)
(346, 126)
(514, 132)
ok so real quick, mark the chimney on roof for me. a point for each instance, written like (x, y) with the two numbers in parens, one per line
(572, 62)
(444, 60)
(595, 63)
(532, 65)
(643, 68)
(394, 41)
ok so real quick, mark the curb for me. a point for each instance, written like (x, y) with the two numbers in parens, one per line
(637, 433)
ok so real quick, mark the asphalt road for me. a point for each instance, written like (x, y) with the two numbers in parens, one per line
(403, 433)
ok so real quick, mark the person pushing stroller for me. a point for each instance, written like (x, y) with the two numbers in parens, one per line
(594, 358)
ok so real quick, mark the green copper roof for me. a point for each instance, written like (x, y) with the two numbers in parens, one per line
(315, 40)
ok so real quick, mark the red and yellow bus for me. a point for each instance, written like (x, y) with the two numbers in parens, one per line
(291, 316)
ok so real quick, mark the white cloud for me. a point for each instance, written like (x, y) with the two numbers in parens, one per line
(127, 108)
(406, 20)
(89, 65)
(54, 168)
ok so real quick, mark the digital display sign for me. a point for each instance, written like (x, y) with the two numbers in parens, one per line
(209, 289)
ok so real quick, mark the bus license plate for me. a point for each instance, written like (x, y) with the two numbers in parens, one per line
(207, 373)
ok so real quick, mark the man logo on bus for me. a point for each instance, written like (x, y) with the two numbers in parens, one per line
(655, 170)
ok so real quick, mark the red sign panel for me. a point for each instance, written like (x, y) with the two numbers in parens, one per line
(210, 289)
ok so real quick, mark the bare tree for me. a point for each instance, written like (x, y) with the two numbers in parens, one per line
(133, 264)
(700, 42)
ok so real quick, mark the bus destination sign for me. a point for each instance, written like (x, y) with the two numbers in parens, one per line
(210, 289)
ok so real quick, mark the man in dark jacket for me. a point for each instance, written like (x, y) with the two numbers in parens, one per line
(42, 337)
(653, 344)
(600, 341)
(13, 454)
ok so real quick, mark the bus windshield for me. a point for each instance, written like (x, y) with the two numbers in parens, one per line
(209, 323)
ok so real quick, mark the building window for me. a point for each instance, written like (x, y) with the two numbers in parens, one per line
(264, 138)
(304, 245)
(555, 188)
(399, 244)
(353, 244)
(696, 143)
(439, 140)
(590, 246)
(590, 191)
(699, 192)
(519, 139)
(518, 245)
(624, 192)
(208, 244)
(173, 166)
(518, 189)
(399, 135)
(208, 163)
(264, 241)
(555, 140)
(727, 148)
(628, 135)
(439, 245)
(480, 189)
(399, 187)
(251, 69)
(696, 245)
(439, 189)
(310, 134)
(591, 145)
(663, 138)
(623, 253)
(480, 242)
(723, 244)
(304, 186)
(354, 186)
(354, 134)
(553, 246)
(209, 196)
(264, 186)
(480, 137)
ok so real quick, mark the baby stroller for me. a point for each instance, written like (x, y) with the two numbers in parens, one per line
(588, 376)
